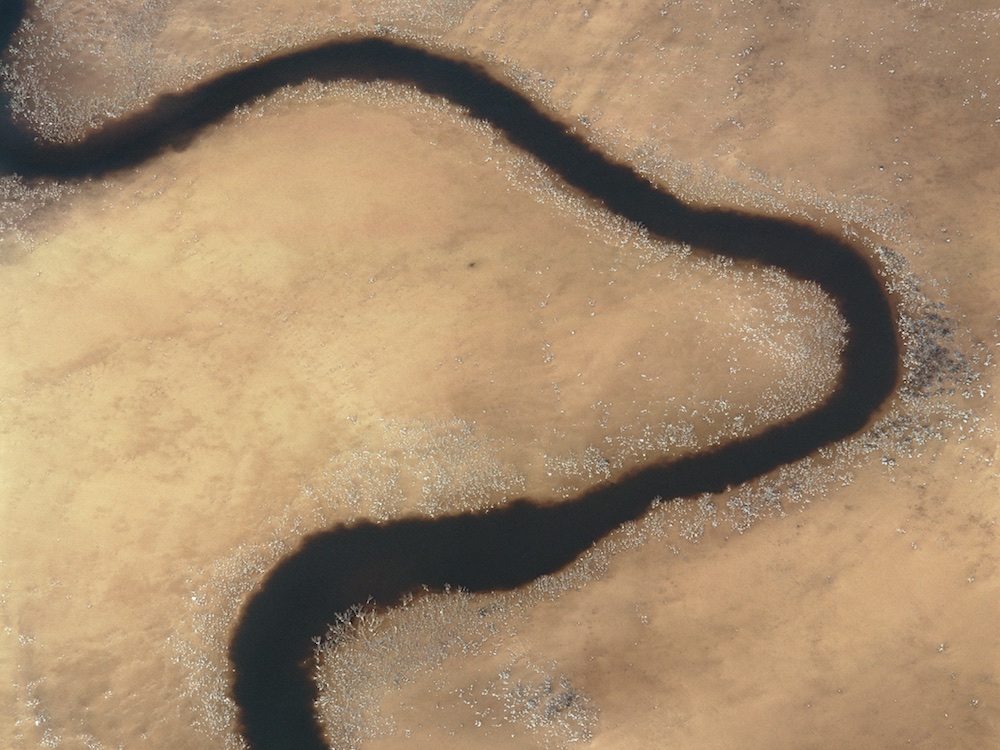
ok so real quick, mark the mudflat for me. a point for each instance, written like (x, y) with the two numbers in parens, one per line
(352, 302)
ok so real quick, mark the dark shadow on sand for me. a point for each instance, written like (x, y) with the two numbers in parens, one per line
(272, 646)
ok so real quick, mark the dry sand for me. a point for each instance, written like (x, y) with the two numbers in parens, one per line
(351, 302)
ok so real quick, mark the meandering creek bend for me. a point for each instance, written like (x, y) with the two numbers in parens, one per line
(272, 645)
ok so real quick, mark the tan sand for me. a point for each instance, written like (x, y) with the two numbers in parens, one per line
(353, 303)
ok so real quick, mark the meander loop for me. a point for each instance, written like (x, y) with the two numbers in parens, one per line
(273, 643)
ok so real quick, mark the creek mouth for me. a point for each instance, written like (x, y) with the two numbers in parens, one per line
(331, 572)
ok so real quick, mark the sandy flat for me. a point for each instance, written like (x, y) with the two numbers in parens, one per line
(352, 303)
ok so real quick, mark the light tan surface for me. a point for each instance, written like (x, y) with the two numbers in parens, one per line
(280, 328)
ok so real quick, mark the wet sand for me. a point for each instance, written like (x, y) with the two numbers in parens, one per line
(181, 406)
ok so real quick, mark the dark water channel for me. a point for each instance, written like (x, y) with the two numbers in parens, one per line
(272, 645)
